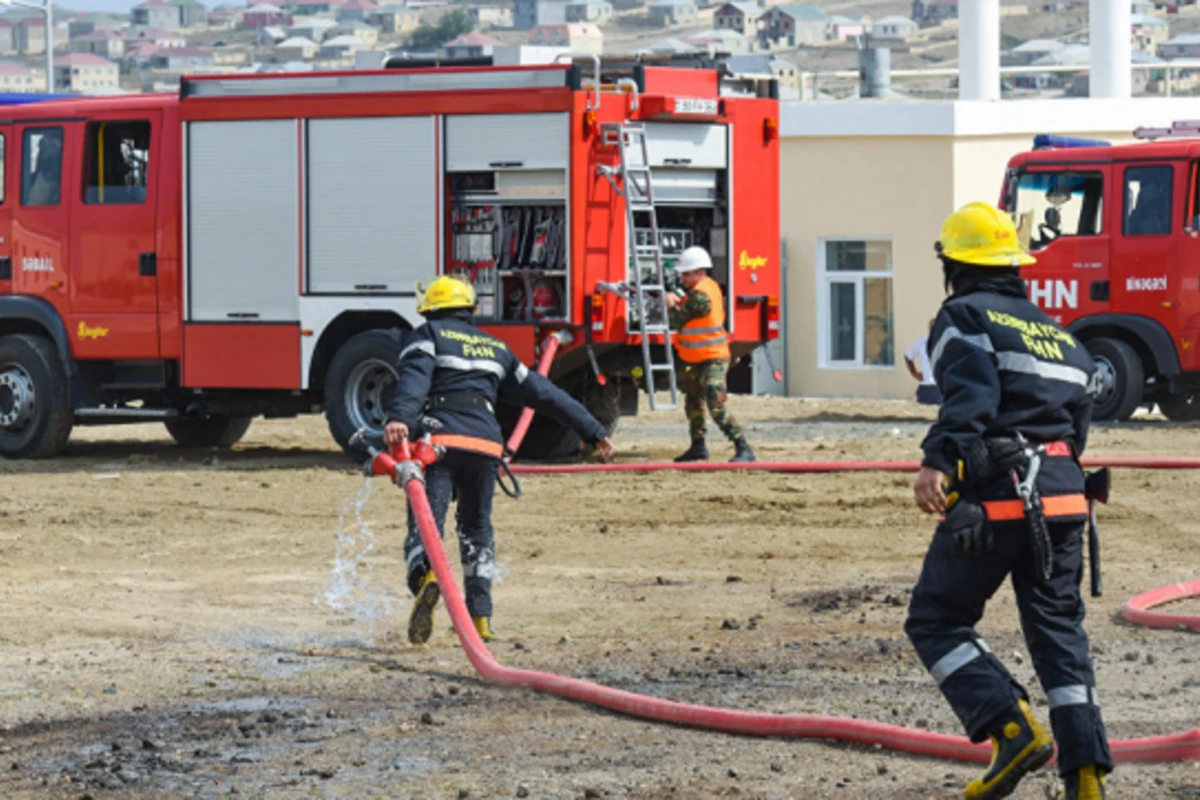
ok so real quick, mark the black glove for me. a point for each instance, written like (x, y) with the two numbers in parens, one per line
(968, 524)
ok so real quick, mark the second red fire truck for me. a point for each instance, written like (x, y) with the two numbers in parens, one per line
(251, 246)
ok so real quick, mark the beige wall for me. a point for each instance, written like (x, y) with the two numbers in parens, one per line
(886, 187)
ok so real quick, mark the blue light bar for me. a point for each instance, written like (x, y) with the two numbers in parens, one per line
(1044, 141)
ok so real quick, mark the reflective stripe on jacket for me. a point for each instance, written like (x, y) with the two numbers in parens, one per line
(704, 338)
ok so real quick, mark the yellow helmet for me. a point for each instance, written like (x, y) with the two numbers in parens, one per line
(445, 293)
(982, 235)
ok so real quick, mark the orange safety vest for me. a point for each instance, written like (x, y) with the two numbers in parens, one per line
(704, 338)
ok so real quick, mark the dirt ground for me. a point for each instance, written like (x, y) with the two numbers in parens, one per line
(173, 623)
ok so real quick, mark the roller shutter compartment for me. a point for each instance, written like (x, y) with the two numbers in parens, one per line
(243, 208)
(476, 142)
(687, 145)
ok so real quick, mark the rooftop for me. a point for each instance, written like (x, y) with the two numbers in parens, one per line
(1039, 46)
(802, 13)
(82, 60)
(745, 9)
(298, 41)
(475, 39)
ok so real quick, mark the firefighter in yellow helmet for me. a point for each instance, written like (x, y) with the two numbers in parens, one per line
(1001, 464)
(449, 376)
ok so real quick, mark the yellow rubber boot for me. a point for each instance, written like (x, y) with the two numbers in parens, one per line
(1086, 784)
(483, 626)
(420, 621)
(1019, 746)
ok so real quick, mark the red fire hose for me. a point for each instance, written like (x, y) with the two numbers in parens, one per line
(1138, 610)
(1174, 747)
(549, 348)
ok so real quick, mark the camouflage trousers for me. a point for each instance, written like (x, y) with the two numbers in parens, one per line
(704, 385)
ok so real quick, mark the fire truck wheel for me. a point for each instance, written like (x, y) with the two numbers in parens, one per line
(1180, 407)
(357, 385)
(35, 411)
(214, 431)
(1119, 380)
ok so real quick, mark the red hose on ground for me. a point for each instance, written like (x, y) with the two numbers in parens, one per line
(1138, 610)
(1174, 747)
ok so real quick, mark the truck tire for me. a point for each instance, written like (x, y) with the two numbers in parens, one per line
(1120, 380)
(216, 431)
(1181, 407)
(35, 407)
(358, 385)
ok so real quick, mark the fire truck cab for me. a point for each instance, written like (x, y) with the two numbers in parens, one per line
(251, 246)
(1116, 234)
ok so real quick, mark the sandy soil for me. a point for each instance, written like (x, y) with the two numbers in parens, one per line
(166, 630)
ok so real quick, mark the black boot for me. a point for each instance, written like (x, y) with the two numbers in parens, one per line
(744, 453)
(697, 452)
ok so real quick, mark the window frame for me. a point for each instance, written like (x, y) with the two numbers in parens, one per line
(826, 278)
(89, 159)
(1014, 204)
(1128, 168)
(62, 142)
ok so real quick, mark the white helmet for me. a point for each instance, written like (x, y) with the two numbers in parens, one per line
(692, 259)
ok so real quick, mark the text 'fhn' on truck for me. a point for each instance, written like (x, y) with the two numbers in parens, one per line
(1116, 233)
(252, 245)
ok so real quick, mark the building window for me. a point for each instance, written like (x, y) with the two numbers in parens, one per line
(116, 162)
(41, 177)
(1148, 200)
(855, 311)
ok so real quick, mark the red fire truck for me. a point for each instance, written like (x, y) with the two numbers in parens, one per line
(252, 245)
(1116, 233)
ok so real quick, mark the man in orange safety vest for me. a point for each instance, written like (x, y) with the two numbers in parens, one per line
(699, 321)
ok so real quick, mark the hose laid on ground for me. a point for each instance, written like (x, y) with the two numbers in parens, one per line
(1138, 610)
(1174, 747)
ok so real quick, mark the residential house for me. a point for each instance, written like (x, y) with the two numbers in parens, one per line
(840, 28)
(296, 48)
(90, 23)
(396, 20)
(669, 46)
(157, 14)
(340, 47)
(580, 37)
(672, 12)
(192, 13)
(228, 56)
(313, 28)
(225, 17)
(934, 12)
(597, 11)
(360, 10)
(1140, 79)
(82, 72)
(724, 41)
(8, 43)
(490, 16)
(795, 25)
(1141, 6)
(471, 45)
(1185, 45)
(138, 54)
(155, 36)
(315, 6)
(29, 36)
(528, 14)
(1148, 32)
(895, 28)
(1026, 53)
(745, 18)
(367, 34)
(787, 73)
(17, 79)
(270, 36)
(182, 59)
(106, 43)
(264, 15)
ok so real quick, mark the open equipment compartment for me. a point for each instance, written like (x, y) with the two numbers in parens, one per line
(507, 213)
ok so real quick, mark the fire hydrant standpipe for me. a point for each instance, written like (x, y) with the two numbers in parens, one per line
(1173, 747)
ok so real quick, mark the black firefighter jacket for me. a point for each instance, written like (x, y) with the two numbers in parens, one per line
(1005, 368)
(452, 359)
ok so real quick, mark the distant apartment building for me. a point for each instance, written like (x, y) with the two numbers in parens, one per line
(579, 37)
(182, 59)
(155, 36)
(490, 16)
(672, 12)
(598, 12)
(471, 45)
(840, 28)
(83, 72)
(894, 28)
(1147, 32)
(360, 10)
(794, 25)
(90, 23)
(17, 79)
(368, 35)
(745, 18)
(106, 43)
(934, 12)
(529, 14)
(8, 41)
(192, 13)
(396, 19)
(1185, 45)
(265, 15)
(29, 36)
(296, 48)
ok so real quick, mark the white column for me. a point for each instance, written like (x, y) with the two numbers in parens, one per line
(979, 50)
(1109, 28)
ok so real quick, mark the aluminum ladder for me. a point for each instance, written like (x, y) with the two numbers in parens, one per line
(647, 288)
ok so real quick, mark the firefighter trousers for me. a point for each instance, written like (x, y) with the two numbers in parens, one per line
(949, 600)
(472, 476)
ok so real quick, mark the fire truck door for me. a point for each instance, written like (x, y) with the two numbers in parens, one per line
(6, 203)
(1147, 219)
(114, 287)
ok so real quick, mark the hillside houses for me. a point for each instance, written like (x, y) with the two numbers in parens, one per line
(795, 25)
(744, 18)
(672, 12)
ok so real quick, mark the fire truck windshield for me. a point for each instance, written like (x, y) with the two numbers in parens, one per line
(1059, 203)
